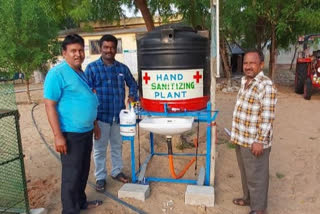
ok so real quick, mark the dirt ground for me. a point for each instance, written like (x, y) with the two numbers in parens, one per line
(294, 163)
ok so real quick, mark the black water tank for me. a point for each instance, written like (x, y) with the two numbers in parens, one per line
(173, 68)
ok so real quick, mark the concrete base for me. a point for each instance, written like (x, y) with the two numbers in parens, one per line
(199, 195)
(38, 211)
(136, 191)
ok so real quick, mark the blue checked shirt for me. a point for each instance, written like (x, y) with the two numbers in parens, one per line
(109, 83)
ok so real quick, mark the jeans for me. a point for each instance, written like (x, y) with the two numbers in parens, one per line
(108, 133)
(75, 171)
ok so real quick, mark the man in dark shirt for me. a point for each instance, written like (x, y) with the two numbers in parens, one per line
(107, 77)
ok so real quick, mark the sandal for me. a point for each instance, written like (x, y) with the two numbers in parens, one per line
(91, 204)
(101, 185)
(241, 202)
(256, 212)
(121, 177)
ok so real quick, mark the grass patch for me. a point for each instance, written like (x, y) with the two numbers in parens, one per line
(231, 145)
(184, 145)
(279, 175)
(223, 141)
(227, 142)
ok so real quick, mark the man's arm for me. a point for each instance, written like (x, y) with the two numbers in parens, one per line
(268, 105)
(96, 130)
(59, 139)
(132, 84)
(91, 82)
(90, 77)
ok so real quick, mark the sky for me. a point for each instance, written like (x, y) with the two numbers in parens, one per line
(130, 13)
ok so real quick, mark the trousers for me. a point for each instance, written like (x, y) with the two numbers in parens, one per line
(254, 176)
(75, 171)
(109, 133)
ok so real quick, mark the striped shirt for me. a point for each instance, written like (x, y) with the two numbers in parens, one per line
(109, 83)
(254, 112)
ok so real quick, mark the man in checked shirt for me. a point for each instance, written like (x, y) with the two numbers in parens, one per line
(252, 132)
(107, 77)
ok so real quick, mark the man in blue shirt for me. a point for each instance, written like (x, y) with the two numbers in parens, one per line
(71, 108)
(108, 77)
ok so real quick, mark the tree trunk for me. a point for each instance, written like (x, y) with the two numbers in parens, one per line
(294, 55)
(28, 90)
(225, 61)
(147, 17)
(273, 52)
(239, 63)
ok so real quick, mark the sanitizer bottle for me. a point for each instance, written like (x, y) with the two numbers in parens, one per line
(127, 122)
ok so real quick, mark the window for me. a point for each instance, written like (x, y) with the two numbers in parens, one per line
(119, 47)
(94, 47)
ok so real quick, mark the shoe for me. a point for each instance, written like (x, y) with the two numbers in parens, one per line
(101, 185)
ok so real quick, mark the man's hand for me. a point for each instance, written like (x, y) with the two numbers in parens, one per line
(130, 99)
(257, 149)
(60, 144)
(96, 131)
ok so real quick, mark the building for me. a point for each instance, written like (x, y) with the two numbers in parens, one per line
(127, 31)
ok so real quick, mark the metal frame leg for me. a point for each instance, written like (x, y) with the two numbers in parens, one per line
(151, 144)
(133, 161)
(208, 148)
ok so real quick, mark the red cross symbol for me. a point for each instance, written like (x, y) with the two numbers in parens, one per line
(197, 76)
(146, 77)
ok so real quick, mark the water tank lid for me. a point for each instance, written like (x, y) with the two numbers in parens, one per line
(175, 27)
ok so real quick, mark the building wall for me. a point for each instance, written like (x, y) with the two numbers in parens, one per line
(128, 43)
(127, 56)
(284, 57)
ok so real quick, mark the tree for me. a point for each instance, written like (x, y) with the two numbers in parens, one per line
(194, 12)
(28, 36)
(143, 7)
(255, 23)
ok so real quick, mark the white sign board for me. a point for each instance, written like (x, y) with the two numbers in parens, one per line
(130, 60)
(172, 84)
(85, 63)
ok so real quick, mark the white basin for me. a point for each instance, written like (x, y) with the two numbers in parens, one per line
(166, 125)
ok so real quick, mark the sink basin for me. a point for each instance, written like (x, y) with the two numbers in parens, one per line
(166, 125)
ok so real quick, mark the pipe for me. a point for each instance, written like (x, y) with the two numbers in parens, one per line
(170, 155)
(173, 174)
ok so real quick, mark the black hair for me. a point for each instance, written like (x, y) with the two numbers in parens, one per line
(259, 52)
(108, 38)
(72, 39)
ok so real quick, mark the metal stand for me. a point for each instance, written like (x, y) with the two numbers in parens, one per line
(204, 116)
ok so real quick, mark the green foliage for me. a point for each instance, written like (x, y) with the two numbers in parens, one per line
(279, 175)
(231, 145)
(28, 34)
(222, 140)
(249, 22)
(60, 12)
(194, 12)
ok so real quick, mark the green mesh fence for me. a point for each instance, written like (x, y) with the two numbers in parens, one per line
(7, 96)
(13, 189)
